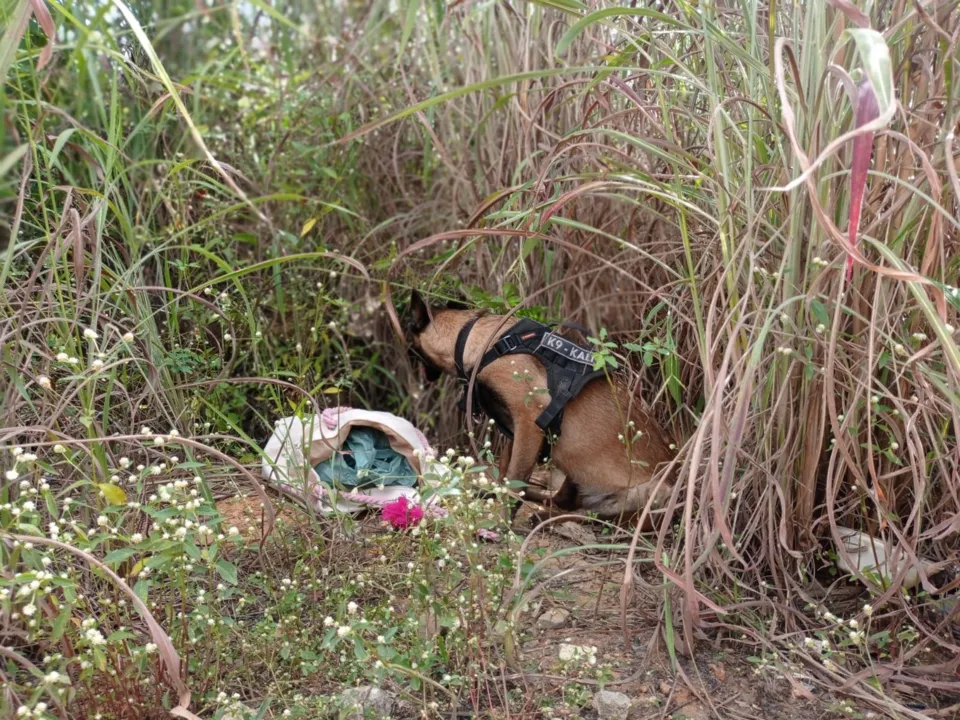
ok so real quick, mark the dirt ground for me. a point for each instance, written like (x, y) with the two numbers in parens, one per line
(725, 681)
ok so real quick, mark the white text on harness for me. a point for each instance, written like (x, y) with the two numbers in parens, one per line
(566, 348)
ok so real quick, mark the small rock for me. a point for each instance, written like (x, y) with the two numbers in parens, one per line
(682, 697)
(553, 619)
(366, 701)
(611, 705)
(719, 672)
(575, 532)
(578, 653)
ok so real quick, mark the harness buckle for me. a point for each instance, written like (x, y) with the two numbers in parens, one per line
(509, 343)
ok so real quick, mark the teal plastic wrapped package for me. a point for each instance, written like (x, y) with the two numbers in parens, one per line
(366, 460)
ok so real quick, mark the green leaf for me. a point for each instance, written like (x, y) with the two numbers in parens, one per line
(113, 494)
(158, 561)
(118, 556)
(52, 509)
(570, 35)
(568, 6)
(308, 226)
(60, 624)
(99, 659)
(528, 246)
(16, 18)
(411, 19)
(359, 651)
(191, 549)
(875, 56)
(820, 312)
(8, 162)
(227, 570)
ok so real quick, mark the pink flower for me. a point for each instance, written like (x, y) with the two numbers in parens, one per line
(401, 514)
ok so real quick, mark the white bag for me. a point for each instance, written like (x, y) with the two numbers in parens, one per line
(297, 446)
(869, 556)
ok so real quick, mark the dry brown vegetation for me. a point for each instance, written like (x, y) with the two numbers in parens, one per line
(757, 203)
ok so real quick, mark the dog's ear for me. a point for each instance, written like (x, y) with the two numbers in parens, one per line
(419, 314)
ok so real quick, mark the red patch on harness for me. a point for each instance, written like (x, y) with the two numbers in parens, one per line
(527, 336)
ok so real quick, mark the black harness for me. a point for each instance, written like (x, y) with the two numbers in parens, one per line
(569, 368)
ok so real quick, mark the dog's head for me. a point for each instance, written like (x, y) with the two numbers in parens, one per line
(428, 335)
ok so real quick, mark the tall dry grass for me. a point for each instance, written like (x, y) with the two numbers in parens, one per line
(627, 168)
(708, 195)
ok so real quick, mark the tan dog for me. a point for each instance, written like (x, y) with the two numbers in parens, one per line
(608, 447)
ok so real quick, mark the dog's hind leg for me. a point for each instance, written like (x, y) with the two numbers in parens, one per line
(561, 500)
(563, 496)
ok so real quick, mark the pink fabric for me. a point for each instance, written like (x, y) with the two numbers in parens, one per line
(331, 416)
(434, 510)
(401, 515)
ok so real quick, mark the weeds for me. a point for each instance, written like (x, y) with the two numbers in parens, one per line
(756, 204)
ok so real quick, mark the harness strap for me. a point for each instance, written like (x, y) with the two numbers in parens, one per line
(462, 345)
(569, 368)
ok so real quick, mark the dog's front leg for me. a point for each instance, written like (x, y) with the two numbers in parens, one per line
(505, 456)
(526, 444)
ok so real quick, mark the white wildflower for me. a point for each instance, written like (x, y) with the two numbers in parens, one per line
(94, 637)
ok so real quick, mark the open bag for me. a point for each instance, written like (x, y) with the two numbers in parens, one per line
(299, 447)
